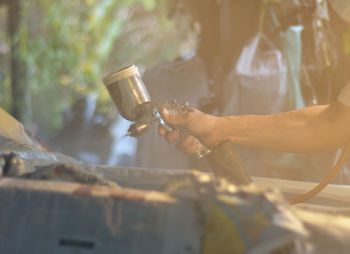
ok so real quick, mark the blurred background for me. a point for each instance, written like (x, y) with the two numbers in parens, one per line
(224, 57)
(59, 51)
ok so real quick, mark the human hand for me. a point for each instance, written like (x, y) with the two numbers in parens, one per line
(194, 123)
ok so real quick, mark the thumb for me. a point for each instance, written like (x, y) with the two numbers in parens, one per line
(174, 119)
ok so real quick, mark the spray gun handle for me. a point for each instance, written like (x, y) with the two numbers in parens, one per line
(201, 152)
(224, 159)
(174, 108)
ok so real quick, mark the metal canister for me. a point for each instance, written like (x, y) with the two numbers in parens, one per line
(127, 91)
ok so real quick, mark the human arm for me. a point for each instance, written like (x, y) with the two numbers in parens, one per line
(306, 130)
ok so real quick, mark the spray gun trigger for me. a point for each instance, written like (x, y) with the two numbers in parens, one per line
(160, 120)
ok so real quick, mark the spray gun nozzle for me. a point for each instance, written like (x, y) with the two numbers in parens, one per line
(138, 129)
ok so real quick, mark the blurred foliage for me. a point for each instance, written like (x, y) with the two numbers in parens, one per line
(69, 46)
(346, 41)
(5, 99)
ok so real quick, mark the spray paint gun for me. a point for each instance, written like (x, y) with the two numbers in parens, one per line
(133, 102)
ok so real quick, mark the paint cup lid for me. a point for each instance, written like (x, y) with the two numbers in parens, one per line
(124, 73)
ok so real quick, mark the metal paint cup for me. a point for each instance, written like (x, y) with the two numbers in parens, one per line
(127, 91)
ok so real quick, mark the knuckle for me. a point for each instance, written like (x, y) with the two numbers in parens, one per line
(169, 140)
(161, 131)
(171, 137)
(190, 150)
(188, 140)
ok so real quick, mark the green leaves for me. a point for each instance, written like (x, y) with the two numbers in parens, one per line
(149, 4)
(69, 46)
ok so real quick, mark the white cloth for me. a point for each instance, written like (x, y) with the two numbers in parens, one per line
(344, 95)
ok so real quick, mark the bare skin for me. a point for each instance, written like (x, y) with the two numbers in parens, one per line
(310, 129)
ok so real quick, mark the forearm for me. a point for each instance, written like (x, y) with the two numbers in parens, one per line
(310, 129)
